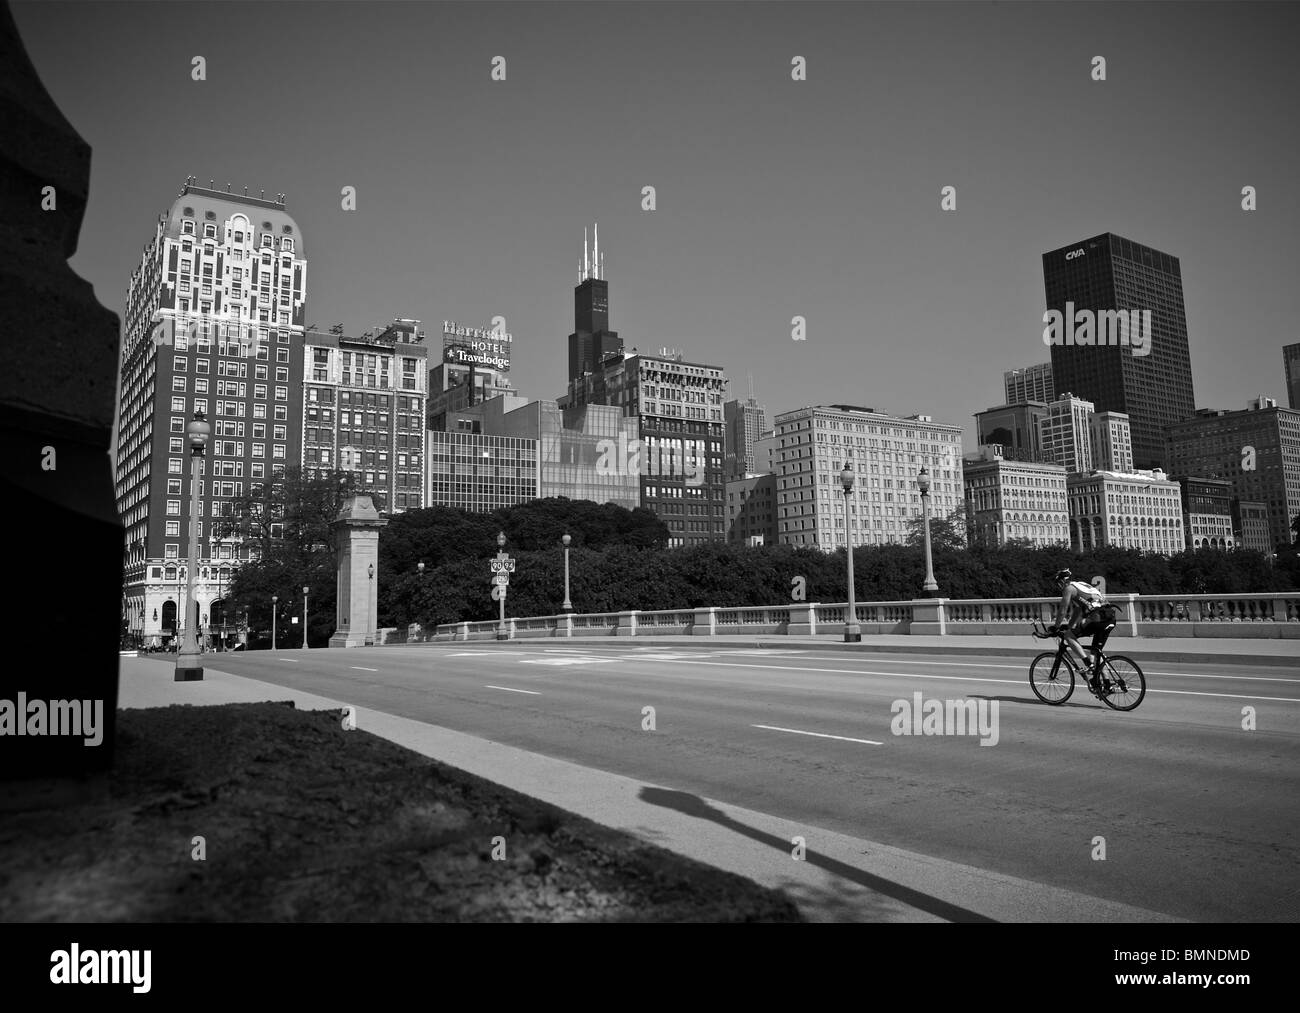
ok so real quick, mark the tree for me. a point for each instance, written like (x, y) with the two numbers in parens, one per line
(288, 518)
(945, 532)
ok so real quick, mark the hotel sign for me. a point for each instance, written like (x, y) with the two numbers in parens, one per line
(475, 346)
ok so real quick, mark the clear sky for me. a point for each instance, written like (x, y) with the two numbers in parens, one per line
(775, 198)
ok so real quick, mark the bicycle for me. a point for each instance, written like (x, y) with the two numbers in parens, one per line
(1052, 675)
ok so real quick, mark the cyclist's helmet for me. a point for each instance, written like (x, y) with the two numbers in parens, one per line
(1061, 576)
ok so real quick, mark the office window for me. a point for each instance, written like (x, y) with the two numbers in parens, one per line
(282, 393)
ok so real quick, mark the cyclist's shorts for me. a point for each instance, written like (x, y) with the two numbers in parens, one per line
(1099, 625)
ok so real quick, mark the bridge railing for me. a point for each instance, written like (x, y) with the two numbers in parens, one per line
(1271, 615)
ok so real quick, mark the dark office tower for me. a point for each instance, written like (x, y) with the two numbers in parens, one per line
(1291, 360)
(1096, 278)
(591, 339)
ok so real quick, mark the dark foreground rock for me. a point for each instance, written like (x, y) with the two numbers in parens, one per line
(305, 821)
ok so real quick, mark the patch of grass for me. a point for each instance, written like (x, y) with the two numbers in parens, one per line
(304, 821)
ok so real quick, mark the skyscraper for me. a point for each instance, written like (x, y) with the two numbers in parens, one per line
(591, 339)
(1094, 279)
(364, 411)
(1065, 433)
(1291, 363)
(1112, 441)
(219, 294)
(1257, 449)
(745, 422)
(1033, 383)
(678, 406)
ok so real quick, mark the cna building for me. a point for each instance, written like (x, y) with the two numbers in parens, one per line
(1111, 273)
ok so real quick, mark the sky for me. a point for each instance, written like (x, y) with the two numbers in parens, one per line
(775, 198)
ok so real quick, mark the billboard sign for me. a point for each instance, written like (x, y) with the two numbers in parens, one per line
(474, 346)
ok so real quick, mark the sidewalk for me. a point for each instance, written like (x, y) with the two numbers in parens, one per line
(841, 879)
(1183, 650)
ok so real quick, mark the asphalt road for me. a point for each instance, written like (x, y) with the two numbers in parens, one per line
(1198, 817)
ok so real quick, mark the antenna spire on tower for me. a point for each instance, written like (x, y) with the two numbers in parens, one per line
(595, 253)
(586, 261)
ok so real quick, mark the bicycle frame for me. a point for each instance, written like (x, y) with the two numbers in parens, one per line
(1064, 654)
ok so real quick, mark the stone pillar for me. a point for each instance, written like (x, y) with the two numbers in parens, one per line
(706, 622)
(627, 623)
(803, 619)
(57, 396)
(357, 530)
(928, 617)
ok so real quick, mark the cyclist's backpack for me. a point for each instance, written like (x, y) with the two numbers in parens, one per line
(1090, 599)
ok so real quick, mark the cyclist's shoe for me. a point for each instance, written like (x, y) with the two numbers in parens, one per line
(1094, 684)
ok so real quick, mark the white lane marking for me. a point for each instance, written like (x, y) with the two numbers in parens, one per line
(358, 668)
(953, 678)
(565, 661)
(820, 735)
(294, 660)
(756, 650)
(530, 692)
(471, 654)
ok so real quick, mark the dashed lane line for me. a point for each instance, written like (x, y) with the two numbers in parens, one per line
(820, 735)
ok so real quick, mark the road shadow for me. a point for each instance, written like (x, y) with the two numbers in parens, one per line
(694, 806)
(1034, 701)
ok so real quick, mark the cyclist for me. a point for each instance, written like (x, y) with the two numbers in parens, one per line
(1083, 610)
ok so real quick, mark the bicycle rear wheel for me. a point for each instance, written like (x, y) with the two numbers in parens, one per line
(1052, 682)
(1125, 686)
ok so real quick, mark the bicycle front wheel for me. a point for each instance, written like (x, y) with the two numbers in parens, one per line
(1051, 680)
(1125, 685)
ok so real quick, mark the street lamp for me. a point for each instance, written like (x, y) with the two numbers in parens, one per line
(274, 599)
(189, 664)
(140, 642)
(305, 645)
(930, 589)
(852, 631)
(501, 624)
(568, 605)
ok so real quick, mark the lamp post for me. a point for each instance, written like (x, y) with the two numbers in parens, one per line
(852, 631)
(140, 642)
(305, 645)
(274, 599)
(502, 634)
(568, 605)
(929, 589)
(189, 663)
